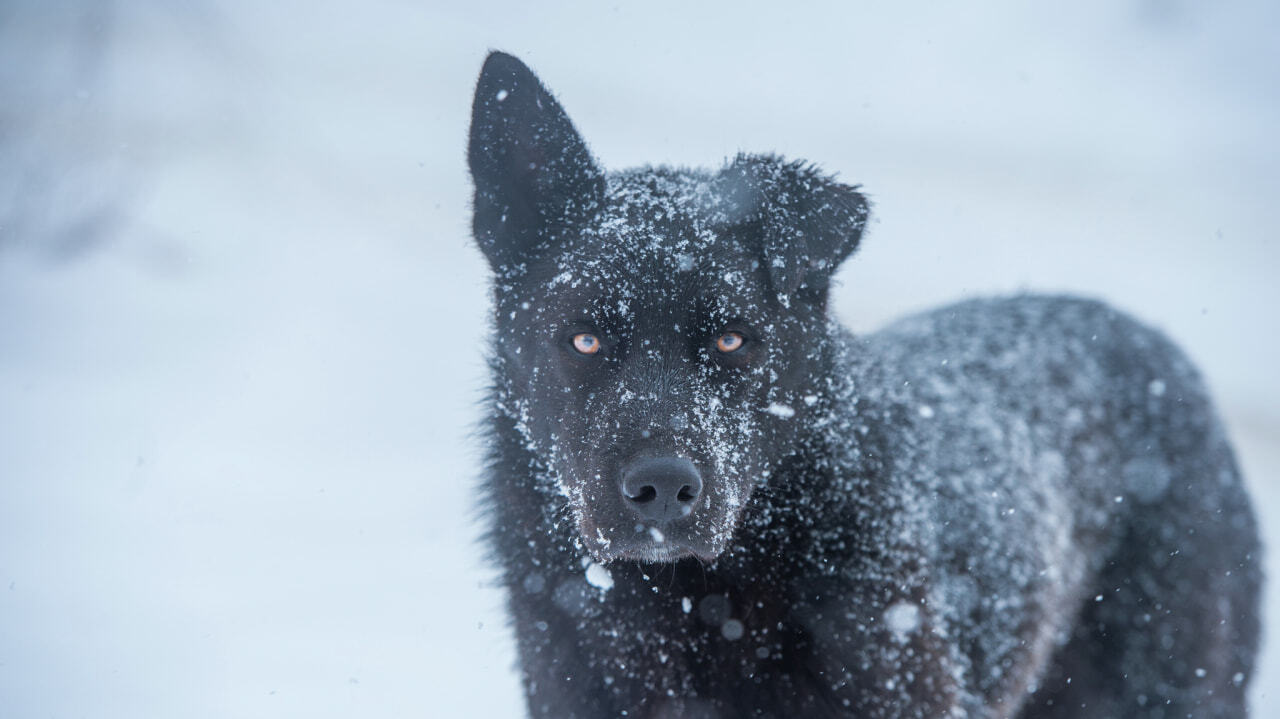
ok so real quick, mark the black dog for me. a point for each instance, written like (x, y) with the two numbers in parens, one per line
(709, 500)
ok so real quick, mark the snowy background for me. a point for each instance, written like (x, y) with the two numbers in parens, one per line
(242, 328)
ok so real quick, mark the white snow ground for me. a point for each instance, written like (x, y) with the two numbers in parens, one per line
(236, 470)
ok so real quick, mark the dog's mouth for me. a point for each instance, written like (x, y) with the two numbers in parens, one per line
(656, 554)
(658, 549)
(648, 543)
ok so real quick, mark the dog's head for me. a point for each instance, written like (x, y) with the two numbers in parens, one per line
(660, 335)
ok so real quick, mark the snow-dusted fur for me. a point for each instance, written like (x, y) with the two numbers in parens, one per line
(1021, 507)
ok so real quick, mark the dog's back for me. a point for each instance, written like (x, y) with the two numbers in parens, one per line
(1076, 480)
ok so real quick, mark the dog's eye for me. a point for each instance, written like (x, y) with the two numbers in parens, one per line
(586, 343)
(730, 342)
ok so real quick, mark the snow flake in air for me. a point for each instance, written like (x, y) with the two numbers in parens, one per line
(902, 618)
(534, 583)
(599, 577)
(778, 409)
(1146, 478)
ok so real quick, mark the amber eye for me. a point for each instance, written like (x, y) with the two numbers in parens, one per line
(730, 342)
(586, 343)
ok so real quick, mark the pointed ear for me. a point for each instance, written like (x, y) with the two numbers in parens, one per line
(806, 222)
(532, 172)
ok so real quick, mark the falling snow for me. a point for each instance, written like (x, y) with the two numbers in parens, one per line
(781, 410)
(598, 576)
(902, 618)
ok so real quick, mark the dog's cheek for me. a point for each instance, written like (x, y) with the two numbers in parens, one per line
(722, 432)
(726, 511)
(546, 417)
(581, 450)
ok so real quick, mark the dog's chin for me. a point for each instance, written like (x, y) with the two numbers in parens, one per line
(609, 539)
(656, 552)
(664, 554)
(665, 544)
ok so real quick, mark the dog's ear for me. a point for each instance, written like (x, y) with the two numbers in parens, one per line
(533, 173)
(805, 223)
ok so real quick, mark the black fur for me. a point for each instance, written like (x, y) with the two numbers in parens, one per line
(1022, 507)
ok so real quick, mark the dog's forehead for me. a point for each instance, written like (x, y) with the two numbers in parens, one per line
(661, 212)
(661, 240)
(634, 289)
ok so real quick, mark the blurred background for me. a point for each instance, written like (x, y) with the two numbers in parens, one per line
(242, 327)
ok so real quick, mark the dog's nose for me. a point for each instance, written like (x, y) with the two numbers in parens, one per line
(661, 489)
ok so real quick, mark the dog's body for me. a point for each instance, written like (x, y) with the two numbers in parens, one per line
(710, 501)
